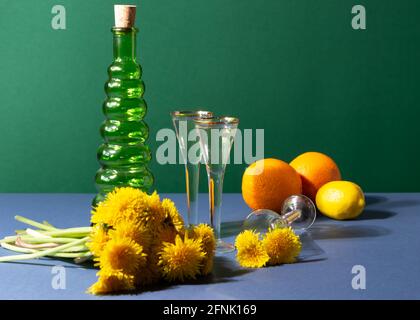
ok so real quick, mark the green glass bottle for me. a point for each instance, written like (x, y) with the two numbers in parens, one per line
(123, 156)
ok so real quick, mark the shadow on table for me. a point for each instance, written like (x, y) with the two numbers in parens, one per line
(402, 203)
(372, 199)
(372, 214)
(367, 214)
(391, 204)
(311, 251)
(224, 270)
(328, 231)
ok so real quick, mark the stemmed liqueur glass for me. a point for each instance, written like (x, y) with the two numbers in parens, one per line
(216, 138)
(298, 212)
(185, 129)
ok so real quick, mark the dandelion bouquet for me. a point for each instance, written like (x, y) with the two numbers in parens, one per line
(136, 240)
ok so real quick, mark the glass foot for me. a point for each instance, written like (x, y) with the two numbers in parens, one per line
(224, 247)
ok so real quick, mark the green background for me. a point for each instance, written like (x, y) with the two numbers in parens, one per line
(295, 68)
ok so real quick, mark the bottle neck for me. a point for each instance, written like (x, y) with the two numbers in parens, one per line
(124, 43)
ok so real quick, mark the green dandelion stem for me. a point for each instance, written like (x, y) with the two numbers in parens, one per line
(48, 252)
(48, 224)
(69, 233)
(34, 223)
(63, 254)
(30, 239)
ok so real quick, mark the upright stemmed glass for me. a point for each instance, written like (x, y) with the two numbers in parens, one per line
(185, 128)
(216, 138)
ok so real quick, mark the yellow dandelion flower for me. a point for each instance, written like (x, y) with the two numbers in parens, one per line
(98, 239)
(119, 204)
(129, 204)
(172, 216)
(151, 214)
(251, 253)
(181, 260)
(133, 230)
(282, 245)
(205, 233)
(121, 255)
(112, 282)
(101, 214)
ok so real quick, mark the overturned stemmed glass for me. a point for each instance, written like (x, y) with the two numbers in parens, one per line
(298, 212)
(185, 129)
(216, 137)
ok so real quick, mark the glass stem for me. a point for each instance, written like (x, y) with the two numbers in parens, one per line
(215, 201)
(192, 172)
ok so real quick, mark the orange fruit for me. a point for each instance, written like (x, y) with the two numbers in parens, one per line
(315, 169)
(267, 183)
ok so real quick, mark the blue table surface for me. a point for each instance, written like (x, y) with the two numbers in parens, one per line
(385, 240)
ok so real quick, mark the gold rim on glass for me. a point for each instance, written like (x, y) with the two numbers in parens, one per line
(189, 114)
(222, 120)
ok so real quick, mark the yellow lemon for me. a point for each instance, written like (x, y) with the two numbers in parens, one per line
(340, 200)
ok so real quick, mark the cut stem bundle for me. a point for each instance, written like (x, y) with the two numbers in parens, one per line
(47, 241)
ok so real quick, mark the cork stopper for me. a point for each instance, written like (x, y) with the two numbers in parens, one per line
(125, 15)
